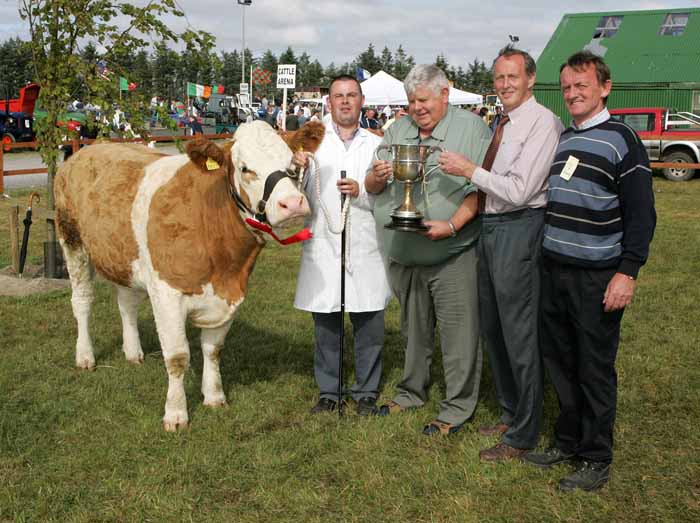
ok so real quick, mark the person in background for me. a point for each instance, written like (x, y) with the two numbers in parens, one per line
(398, 113)
(194, 125)
(484, 114)
(301, 116)
(369, 120)
(497, 118)
(388, 112)
(280, 118)
(292, 121)
(271, 115)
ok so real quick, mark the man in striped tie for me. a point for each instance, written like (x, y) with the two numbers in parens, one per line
(599, 223)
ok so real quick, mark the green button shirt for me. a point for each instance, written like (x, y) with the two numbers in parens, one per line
(459, 131)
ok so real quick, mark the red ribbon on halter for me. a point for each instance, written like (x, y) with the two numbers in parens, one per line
(302, 235)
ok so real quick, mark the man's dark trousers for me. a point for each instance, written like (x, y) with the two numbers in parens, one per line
(509, 292)
(579, 347)
(368, 333)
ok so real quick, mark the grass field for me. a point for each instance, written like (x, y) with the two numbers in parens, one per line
(88, 446)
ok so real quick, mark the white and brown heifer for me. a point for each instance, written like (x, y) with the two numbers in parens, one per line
(167, 227)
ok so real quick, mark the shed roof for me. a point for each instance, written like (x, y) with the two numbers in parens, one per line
(636, 54)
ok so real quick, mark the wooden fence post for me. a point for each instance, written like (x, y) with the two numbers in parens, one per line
(14, 237)
(2, 172)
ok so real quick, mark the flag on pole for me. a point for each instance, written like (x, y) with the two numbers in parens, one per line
(362, 74)
(195, 89)
(123, 84)
(204, 91)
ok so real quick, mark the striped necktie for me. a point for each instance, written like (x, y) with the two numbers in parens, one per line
(490, 156)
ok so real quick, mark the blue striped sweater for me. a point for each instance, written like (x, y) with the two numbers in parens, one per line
(603, 216)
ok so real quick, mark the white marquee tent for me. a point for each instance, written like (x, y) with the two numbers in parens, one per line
(459, 97)
(383, 89)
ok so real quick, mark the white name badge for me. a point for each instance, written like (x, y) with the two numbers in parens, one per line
(568, 171)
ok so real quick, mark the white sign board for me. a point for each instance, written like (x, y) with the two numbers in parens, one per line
(243, 88)
(244, 100)
(286, 76)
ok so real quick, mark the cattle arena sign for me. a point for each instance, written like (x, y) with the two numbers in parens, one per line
(286, 76)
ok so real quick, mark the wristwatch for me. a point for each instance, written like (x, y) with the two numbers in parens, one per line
(453, 229)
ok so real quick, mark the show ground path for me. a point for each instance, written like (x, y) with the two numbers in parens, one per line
(32, 160)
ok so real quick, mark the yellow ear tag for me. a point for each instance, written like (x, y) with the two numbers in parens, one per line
(212, 165)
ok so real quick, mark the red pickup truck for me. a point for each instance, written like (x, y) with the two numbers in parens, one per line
(672, 137)
(25, 103)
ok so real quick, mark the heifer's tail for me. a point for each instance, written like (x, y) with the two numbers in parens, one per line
(68, 229)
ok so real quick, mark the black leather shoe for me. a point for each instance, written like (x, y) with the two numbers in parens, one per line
(367, 406)
(548, 458)
(324, 405)
(589, 475)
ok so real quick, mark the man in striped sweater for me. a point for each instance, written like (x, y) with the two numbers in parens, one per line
(599, 222)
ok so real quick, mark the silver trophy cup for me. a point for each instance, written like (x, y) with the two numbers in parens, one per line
(408, 165)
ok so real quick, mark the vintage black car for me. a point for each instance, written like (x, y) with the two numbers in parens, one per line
(16, 127)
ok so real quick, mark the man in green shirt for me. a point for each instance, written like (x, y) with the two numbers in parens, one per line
(433, 274)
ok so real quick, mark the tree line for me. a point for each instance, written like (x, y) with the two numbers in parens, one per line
(164, 72)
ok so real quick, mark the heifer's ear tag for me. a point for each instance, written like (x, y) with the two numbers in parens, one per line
(212, 165)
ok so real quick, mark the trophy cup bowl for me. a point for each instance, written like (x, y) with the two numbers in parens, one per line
(408, 165)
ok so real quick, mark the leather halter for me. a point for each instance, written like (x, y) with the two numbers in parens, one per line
(270, 182)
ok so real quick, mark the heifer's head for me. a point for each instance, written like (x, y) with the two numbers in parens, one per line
(262, 170)
(258, 164)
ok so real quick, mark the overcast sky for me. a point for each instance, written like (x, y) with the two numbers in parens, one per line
(338, 30)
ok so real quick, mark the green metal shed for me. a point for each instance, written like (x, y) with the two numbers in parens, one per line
(654, 57)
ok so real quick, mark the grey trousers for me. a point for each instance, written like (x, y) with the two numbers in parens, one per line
(368, 334)
(444, 295)
(509, 292)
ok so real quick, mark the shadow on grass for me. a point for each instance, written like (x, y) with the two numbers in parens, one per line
(260, 351)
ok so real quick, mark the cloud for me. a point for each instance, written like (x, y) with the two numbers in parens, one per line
(302, 36)
(339, 30)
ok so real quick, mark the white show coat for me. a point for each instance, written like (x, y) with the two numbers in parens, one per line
(318, 284)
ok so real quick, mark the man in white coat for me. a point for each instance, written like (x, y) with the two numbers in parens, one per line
(345, 147)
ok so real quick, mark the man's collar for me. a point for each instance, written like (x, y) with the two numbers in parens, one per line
(522, 109)
(602, 116)
(439, 132)
(336, 129)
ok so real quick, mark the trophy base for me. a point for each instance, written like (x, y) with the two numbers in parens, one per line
(406, 224)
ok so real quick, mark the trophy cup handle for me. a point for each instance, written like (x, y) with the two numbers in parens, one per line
(383, 147)
(432, 149)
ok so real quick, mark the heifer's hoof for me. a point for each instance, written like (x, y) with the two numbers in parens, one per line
(175, 422)
(215, 402)
(133, 353)
(135, 360)
(85, 363)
